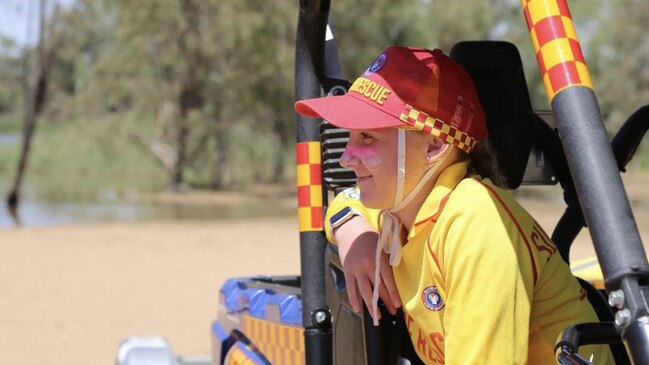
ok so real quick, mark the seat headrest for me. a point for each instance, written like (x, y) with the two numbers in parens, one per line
(497, 71)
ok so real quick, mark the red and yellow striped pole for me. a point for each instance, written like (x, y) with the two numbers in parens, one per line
(595, 172)
(309, 186)
(557, 47)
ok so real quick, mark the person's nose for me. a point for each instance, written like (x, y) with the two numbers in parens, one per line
(349, 158)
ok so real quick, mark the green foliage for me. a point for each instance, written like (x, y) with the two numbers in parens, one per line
(10, 123)
(643, 158)
(364, 28)
(81, 161)
(139, 89)
(10, 77)
(621, 55)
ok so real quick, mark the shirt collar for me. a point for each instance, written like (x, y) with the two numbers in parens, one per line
(433, 205)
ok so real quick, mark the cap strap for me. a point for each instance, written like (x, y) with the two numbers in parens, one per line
(401, 166)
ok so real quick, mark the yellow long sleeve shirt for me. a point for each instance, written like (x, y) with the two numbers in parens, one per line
(479, 279)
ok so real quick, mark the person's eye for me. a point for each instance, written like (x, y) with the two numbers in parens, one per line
(366, 136)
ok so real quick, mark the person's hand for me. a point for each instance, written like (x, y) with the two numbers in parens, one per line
(357, 241)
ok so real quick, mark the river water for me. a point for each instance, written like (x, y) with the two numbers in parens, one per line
(37, 209)
(33, 212)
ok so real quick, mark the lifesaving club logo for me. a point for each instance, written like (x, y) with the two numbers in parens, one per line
(431, 298)
(378, 64)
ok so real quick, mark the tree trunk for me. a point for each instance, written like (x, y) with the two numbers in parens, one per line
(34, 108)
(176, 172)
(191, 95)
(284, 140)
(222, 156)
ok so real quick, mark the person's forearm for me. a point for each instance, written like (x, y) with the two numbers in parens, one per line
(348, 233)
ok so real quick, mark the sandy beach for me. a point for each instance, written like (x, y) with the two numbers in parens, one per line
(70, 293)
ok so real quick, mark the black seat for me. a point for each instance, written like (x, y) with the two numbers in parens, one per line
(497, 71)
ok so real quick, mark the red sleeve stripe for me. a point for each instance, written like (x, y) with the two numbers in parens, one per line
(435, 216)
(432, 253)
(520, 230)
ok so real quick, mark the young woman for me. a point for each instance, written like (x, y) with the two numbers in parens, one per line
(478, 279)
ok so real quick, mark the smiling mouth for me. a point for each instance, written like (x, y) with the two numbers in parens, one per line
(362, 178)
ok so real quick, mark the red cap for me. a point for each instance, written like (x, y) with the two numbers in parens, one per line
(408, 87)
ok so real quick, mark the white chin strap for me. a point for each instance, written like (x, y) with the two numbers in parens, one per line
(390, 236)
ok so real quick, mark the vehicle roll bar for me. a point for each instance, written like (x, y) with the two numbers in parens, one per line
(309, 72)
(593, 167)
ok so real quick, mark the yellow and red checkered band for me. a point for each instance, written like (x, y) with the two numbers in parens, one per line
(421, 121)
(557, 48)
(238, 356)
(280, 344)
(309, 187)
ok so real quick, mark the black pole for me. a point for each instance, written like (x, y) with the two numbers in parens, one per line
(596, 175)
(599, 185)
(607, 212)
(309, 71)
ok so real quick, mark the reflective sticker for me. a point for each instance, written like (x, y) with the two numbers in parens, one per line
(309, 186)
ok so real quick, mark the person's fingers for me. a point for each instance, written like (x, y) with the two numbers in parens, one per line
(388, 279)
(385, 297)
(365, 288)
(352, 293)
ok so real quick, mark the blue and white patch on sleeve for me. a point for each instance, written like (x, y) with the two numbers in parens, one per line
(432, 299)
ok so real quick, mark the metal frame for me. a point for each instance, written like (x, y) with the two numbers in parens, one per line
(309, 75)
(595, 173)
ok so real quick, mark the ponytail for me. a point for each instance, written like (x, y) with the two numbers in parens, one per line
(484, 163)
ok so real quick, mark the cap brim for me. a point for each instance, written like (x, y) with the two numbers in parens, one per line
(348, 112)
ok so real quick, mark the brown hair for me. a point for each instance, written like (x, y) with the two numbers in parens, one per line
(483, 162)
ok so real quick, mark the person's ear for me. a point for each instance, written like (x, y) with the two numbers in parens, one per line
(436, 149)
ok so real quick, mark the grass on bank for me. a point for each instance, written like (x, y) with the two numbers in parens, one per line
(94, 160)
(83, 162)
